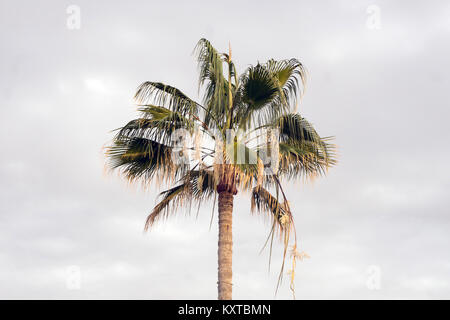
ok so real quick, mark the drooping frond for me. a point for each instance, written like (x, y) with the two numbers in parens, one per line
(172, 198)
(143, 159)
(302, 150)
(158, 93)
(202, 183)
(304, 159)
(196, 185)
(264, 202)
(157, 123)
(294, 127)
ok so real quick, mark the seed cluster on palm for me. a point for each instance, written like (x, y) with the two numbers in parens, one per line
(246, 117)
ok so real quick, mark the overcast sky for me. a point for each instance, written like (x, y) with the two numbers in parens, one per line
(378, 81)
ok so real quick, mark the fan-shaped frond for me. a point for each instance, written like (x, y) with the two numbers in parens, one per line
(294, 127)
(289, 73)
(157, 123)
(302, 150)
(158, 93)
(144, 159)
(304, 159)
(258, 96)
(259, 87)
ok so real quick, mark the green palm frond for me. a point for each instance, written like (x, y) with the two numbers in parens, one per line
(211, 76)
(302, 151)
(157, 123)
(289, 73)
(294, 127)
(259, 87)
(158, 93)
(143, 159)
(259, 94)
(268, 91)
(210, 65)
(303, 159)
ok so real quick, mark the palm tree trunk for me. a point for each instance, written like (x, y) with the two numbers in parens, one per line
(225, 250)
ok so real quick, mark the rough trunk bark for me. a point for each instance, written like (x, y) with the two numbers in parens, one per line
(225, 250)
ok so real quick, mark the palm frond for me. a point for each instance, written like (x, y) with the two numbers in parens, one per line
(171, 199)
(158, 93)
(143, 159)
(211, 75)
(264, 202)
(289, 73)
(294, 127)
(305, 159)
(197, 185)
(157, 123)
(210, 65)
(258, 96)
(259, 86)
(302, 150)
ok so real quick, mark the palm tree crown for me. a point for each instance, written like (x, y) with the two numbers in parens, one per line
(246, 117)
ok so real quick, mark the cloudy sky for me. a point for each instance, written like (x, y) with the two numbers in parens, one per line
(377, 226)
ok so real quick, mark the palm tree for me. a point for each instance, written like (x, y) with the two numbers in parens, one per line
(258, 102)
